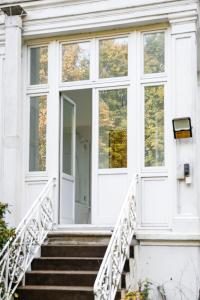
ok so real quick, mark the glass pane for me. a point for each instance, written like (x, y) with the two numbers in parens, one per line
(154, 126)
(113, 57)
(154, 52)
(39, 65)
(68, 117)
(76, 61)
(113, 129)
(37, 142)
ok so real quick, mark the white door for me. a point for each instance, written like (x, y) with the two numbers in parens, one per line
(67, 161)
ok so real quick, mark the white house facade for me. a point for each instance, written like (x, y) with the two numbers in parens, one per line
(88, 93)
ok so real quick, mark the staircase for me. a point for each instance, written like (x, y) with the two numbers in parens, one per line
(67, 268)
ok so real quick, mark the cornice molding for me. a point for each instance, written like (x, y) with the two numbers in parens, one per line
(102, 20)
(60, 17)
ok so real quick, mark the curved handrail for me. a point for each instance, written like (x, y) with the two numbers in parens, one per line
(18, 253)
(109, 275)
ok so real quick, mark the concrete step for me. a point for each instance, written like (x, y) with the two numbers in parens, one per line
(73, 250)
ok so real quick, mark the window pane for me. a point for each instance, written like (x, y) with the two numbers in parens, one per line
(113, 57)
(68, 117)
(154, 52)
(113, 129)
(39, 65)
(154, 126)
(37, 142)
(76, 61)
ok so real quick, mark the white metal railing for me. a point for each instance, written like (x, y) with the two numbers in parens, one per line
(18, 253)
(111, 269)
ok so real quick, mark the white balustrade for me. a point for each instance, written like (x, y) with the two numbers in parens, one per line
(117, 252)
(17, 254)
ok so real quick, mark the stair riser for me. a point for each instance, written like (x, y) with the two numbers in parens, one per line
(66, 265)
(61, 279)
(77, 240)
(73, 251)
(57, 295)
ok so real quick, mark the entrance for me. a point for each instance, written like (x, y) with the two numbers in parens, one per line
(75, 157)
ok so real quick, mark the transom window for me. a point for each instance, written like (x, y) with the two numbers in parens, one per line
(39, 65)
(76, 61)
(154, 52)
(113, 57)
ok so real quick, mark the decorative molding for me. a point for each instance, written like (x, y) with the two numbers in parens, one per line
(184, 22)
(100, 15)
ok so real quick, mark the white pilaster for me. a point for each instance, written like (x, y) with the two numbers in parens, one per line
(12, 116)
(184, 104)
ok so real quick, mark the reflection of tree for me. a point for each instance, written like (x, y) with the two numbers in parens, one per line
(75, 62)
(154, 126)
(154, 53)
(38, 120)
(43, 62)
(113, 58)
(113, 129)
(39, 65)
(42, 133)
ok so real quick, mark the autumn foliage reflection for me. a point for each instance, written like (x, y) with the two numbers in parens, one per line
(113, 128)
(38, 122)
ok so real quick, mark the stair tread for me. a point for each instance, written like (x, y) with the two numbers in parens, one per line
(56, 287)
(75, 245)
(68, 258)
(62, 272)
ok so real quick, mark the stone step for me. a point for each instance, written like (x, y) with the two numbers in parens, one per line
(78, 238)
(63, 278)
(67, 263)
(68, 267)
(73, 250)
(32, 292)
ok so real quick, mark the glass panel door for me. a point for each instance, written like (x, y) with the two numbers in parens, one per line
(67, 174)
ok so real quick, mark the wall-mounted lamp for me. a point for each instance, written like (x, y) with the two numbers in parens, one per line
(182, 128)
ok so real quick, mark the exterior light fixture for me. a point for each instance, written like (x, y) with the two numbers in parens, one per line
(182, 128)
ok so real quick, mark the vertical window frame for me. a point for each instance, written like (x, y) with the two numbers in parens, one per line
(165, 165)
(36, 173)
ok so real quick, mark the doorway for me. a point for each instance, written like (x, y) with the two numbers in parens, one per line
(75, 157)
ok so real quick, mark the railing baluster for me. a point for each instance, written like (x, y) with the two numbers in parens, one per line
(117, 250)
(17, 254)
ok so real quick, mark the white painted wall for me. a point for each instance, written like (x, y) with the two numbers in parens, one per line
(172, 266)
